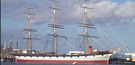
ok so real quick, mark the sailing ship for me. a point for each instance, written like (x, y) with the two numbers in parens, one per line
(101, 57)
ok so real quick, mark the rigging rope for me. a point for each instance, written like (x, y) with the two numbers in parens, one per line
(98, 42)
(101, 33)
(114, 34)
(110, 35)
(80, 32)
(120, 40)
(69, 44)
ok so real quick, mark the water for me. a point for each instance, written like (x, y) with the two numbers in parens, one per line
(11, 63)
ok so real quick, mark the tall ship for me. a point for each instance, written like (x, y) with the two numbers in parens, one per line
(80, 57)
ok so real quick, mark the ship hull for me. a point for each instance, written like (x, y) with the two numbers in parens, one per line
(87, 59)
(61, 61)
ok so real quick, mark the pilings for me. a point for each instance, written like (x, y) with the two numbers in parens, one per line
(116, 60)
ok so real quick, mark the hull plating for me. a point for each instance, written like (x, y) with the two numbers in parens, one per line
(101, 59)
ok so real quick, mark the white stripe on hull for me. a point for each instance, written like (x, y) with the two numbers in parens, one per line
(78, 58)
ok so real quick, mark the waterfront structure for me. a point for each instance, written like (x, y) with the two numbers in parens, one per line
(130, 56)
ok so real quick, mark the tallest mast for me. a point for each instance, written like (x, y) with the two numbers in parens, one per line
(86, 32)
(54, 26)
(86, 26)
(54, 29)
(29, 27)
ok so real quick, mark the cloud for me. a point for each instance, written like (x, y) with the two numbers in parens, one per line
(70, 10)
(108, 10)
(126, 10)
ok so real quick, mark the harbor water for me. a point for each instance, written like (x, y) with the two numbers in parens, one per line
(12, 63)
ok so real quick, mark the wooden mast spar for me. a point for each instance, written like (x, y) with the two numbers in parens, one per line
(86, 32)
(54, 29)
(28, 29)
(86, 26)
(54, 26)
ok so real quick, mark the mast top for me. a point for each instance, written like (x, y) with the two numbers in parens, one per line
(54, 0)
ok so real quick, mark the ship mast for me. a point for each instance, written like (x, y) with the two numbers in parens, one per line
(28, 29)
(54, 29)
(54, 26)
(86, 31)
(86, 26)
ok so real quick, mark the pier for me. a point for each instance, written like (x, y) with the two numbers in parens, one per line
(116, 60)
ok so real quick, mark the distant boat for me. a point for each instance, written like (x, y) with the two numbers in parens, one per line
(130, 56)
(73, 57)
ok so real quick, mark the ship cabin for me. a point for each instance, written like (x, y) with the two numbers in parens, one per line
(75, 53)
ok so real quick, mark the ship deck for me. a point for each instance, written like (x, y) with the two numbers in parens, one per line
(56, 55)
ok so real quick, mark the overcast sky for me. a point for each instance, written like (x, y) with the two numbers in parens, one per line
(114, 19)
